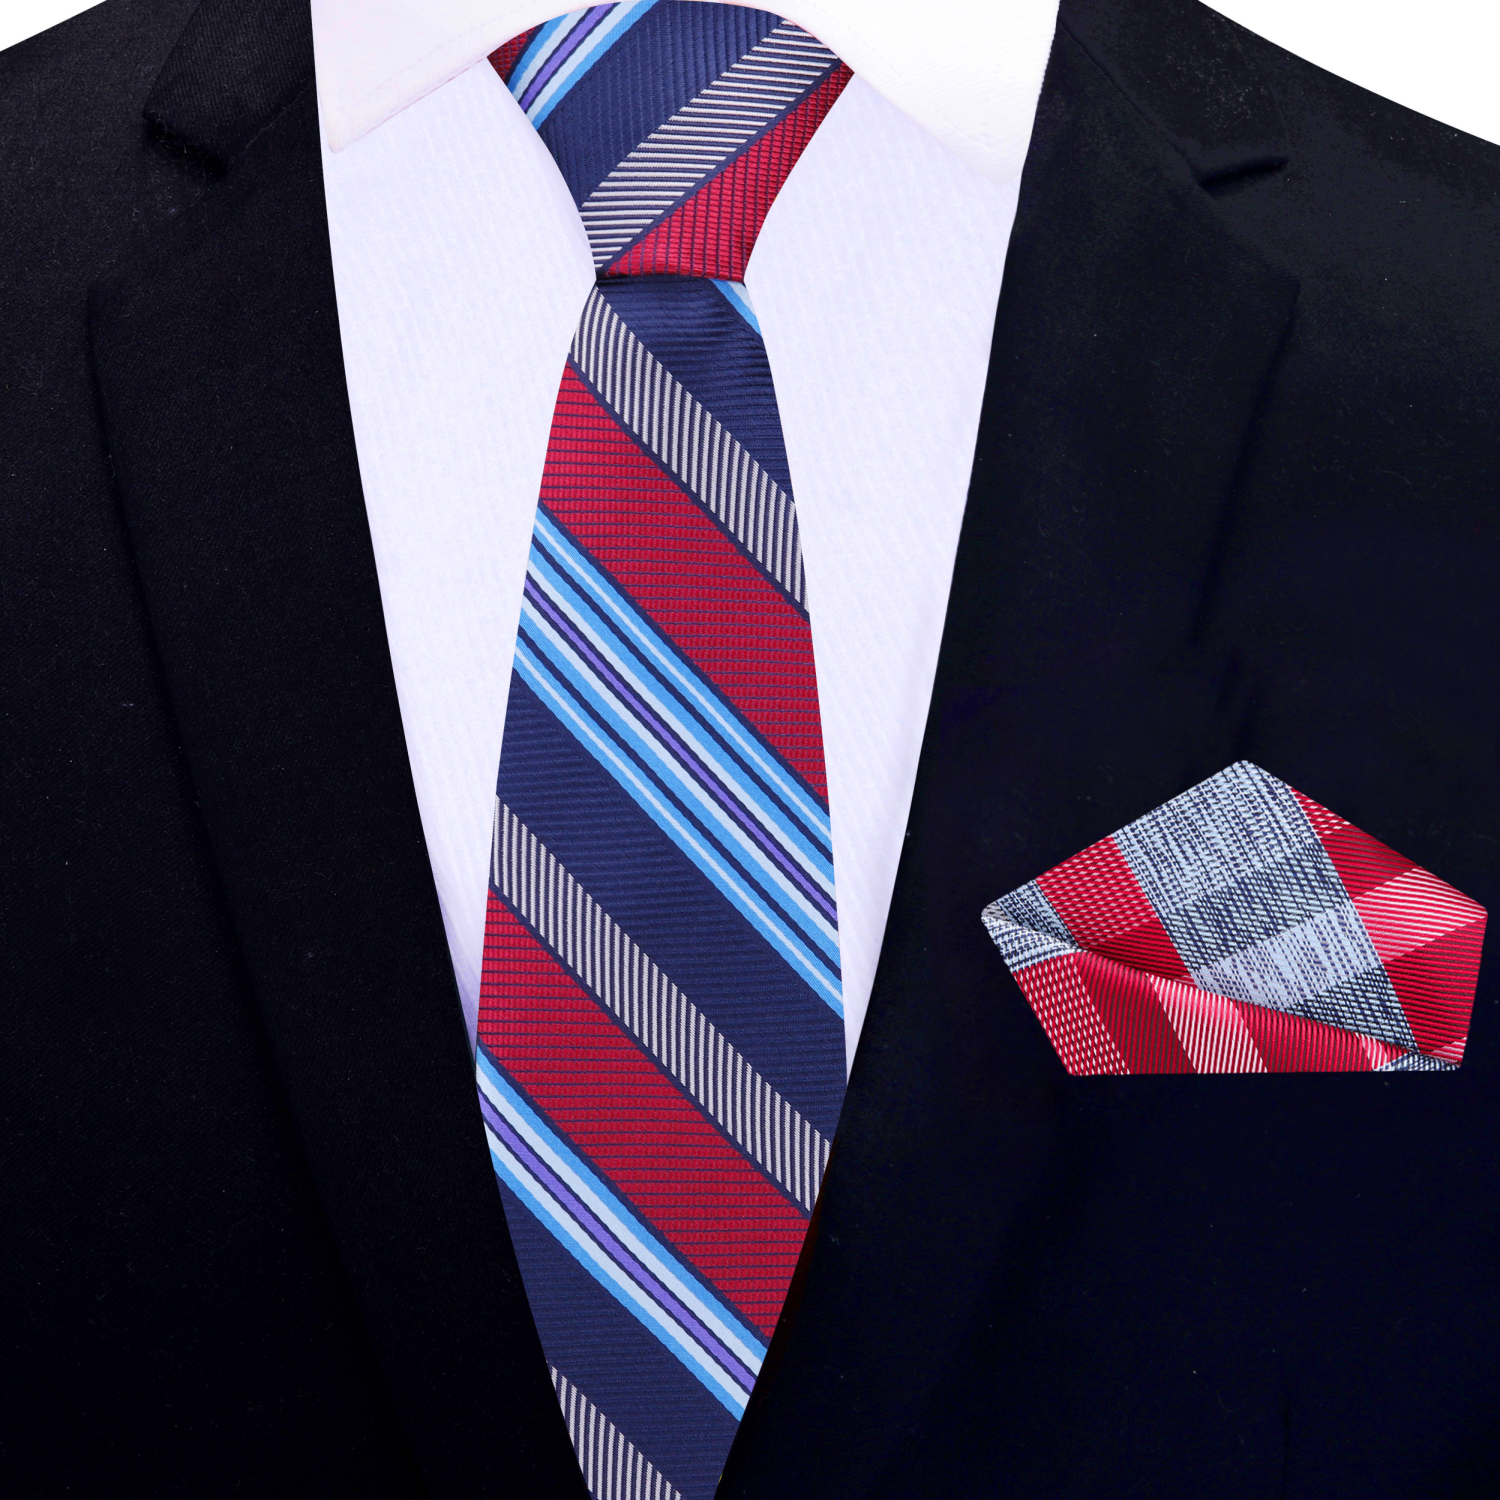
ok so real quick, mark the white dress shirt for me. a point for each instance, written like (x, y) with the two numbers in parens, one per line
(461, 268)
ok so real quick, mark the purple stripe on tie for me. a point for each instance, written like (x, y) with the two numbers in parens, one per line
(564, 50)
(583, 598)
(766, 892)
(618, 685)
(732, 1365)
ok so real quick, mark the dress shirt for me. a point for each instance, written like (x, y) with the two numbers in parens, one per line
(461, 267)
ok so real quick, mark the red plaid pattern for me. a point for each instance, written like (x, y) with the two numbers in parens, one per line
(1243, 928)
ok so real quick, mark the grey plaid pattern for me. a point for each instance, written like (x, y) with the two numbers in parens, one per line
(1253, 904)
(1021, 945)
(1243, 927)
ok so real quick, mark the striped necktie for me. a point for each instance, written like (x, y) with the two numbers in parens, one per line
(661, 1041)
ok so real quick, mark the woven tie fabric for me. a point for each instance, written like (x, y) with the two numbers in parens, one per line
(1243, 928)
(661, 1041)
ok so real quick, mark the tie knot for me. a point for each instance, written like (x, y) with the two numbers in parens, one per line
(674, 124)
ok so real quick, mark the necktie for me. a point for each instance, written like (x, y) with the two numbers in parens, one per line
(661, 1044)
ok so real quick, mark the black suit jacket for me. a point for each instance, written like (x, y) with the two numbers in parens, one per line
(1234, 495)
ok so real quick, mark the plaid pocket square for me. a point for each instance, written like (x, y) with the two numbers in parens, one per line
(1242, 928)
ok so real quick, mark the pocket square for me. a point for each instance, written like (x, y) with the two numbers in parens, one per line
(1243, 928)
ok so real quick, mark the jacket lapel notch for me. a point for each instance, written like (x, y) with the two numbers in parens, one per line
(1182, 65)
(236, 66)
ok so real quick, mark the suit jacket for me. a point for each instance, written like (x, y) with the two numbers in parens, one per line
(1234, 496)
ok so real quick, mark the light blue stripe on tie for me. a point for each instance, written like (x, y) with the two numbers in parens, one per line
(601, 730)
(599, 592)
(542, 46)
(810, 853)
(760, 873)
(739, 299)
(638, 1239)
(594, 46)
(772, 926)
(720, 825)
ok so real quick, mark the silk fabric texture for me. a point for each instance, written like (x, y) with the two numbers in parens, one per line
(660, 1043)
(1244, 928)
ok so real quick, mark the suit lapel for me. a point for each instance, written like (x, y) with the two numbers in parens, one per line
(1133, 338)
(220, 375)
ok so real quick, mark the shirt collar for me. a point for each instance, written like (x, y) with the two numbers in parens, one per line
(968, 72)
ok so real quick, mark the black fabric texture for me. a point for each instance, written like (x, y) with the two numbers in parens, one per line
(234, 69)
(257, 1246)
(176, 1321)
(1235, 494)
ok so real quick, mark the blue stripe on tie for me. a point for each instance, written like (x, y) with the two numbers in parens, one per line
(739, 299)
(565, 43)
(600, 731)
(705, 332)
(692, 782)
(633, 1378)
(662, 61)
(727, 825)
(661, 898)
(609, 1239)
(668, 704)
(569, 921)
(550, 75)
(543, 63)
(597, 591)
(681, 734)
(541, 48)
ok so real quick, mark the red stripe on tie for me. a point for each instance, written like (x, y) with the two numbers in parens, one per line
(1102, 904)
(664, 550)
(636, 1127)
(505, 57)
(714, 230)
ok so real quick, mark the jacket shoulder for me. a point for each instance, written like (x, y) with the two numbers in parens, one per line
(1393, 215)
(1202, 77)
(76, 167)
(63, 87)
